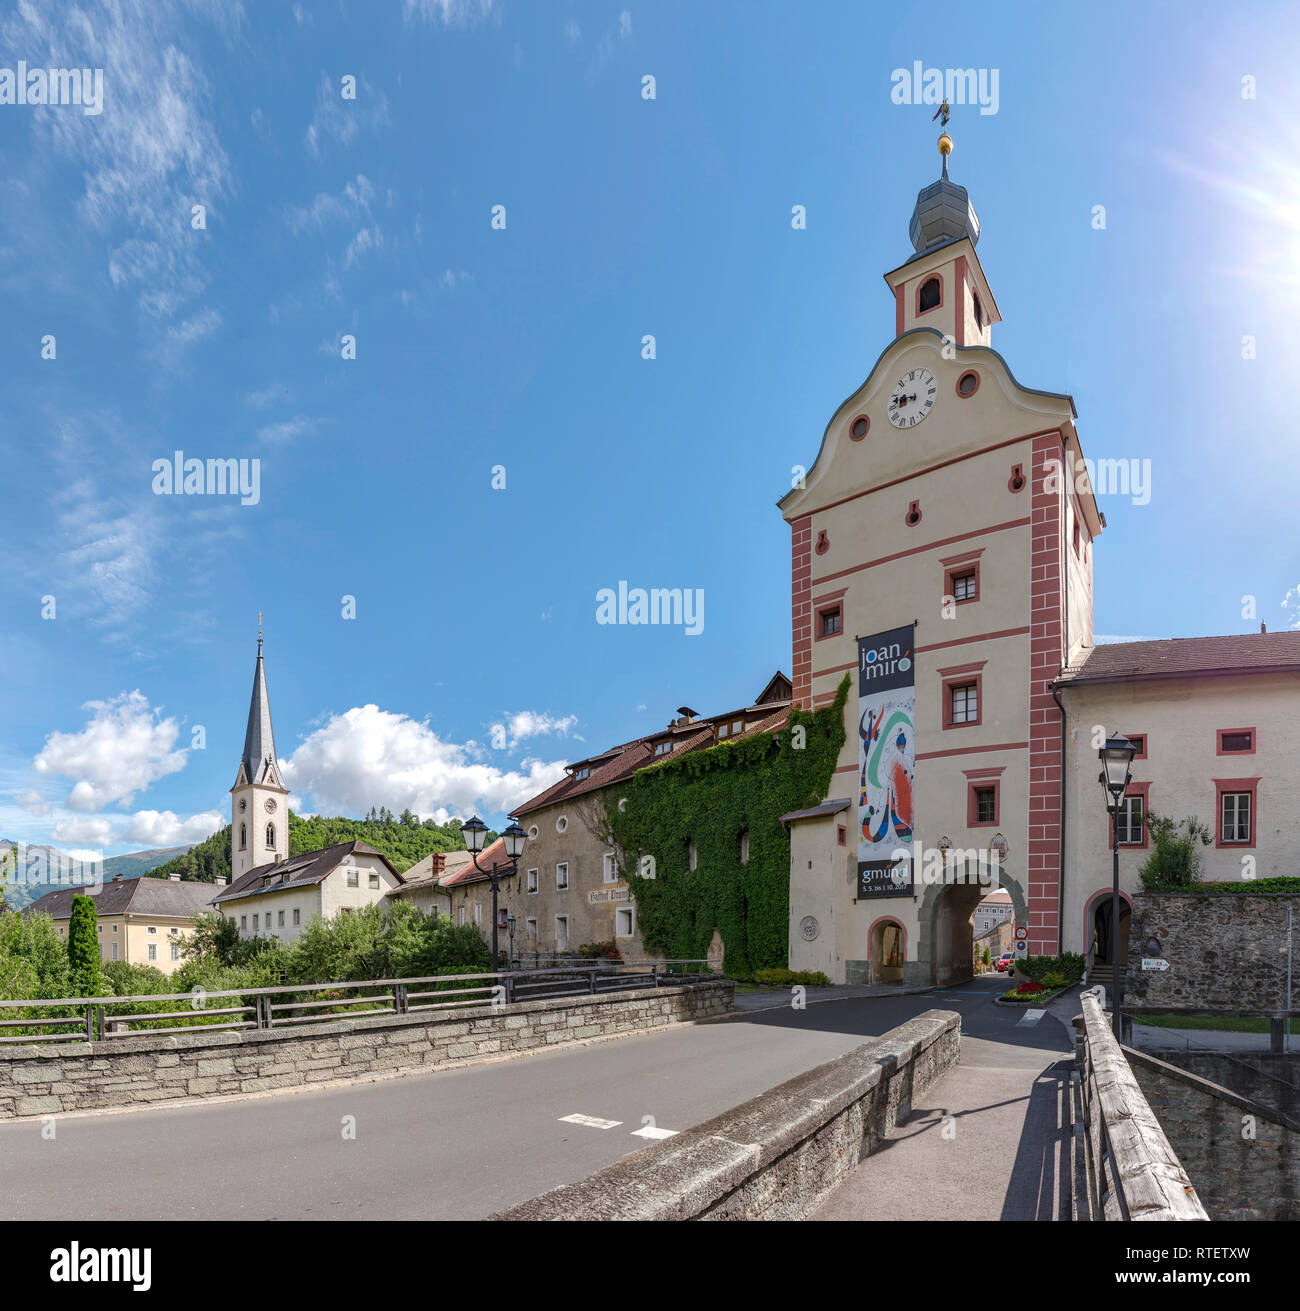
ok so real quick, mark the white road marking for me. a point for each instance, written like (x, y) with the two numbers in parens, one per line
(590, 1121)
(1028, 1018)
(653, 1131)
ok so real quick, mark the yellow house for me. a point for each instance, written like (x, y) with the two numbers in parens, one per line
(142, 921)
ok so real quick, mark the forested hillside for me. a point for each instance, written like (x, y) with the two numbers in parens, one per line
(403, 840)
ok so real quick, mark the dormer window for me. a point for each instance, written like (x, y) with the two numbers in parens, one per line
(266, 881)
(580, 774)
(930, 297)
(731, 727)
(663, 746)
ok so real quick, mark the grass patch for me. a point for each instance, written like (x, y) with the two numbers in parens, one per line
(1220, 1023)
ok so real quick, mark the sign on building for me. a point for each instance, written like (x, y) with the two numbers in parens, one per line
(886, 762)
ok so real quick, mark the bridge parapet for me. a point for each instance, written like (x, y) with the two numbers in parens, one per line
(1128, 1170)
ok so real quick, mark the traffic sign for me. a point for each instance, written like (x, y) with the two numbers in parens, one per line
(1022, 932)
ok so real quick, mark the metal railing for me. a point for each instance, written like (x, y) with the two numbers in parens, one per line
(44, 1020)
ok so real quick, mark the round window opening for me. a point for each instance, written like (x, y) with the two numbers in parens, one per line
(561, 824)
(859, 427)
(533, 831)
(968, 383)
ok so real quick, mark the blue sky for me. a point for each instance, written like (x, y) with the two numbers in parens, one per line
(478, 347)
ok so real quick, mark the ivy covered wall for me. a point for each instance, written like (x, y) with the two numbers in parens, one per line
(710, 798)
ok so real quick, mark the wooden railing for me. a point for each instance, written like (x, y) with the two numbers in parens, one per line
(1131, 1172)
(284, 1005)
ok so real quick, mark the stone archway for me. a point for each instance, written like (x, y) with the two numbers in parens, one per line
(944, 952)
(887, 950)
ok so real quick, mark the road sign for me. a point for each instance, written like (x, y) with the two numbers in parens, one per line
(1022, 948)
(1022, 932)
(1154, 964)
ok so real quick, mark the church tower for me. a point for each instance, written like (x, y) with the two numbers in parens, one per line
(259, 801)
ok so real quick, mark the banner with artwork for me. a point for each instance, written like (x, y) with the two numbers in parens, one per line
(886, 762)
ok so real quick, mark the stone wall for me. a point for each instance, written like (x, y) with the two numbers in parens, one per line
(58, 1078)
(1242, 1156)
(777, 1156)
(1224, 952)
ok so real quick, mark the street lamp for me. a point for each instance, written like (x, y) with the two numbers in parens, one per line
(510, 924)
(513, 839)
(1116, 767)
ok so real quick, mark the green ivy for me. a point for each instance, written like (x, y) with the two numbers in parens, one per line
(712, 797)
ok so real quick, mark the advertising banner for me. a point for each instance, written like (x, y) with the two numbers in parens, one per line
(886, 762)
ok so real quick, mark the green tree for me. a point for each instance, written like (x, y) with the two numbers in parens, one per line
(83, 947)
(1174, 864)
(215, 939)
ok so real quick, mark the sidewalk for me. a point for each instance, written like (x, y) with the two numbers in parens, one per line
(990, 1140)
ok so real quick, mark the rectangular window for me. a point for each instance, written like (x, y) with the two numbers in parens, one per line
(176, 951)
(354, 878)
(532, 883)
(1139, 740)
(730, 727)
(581, 775)
(153, 951)
(243, 923)
(664, 747)
(478, 913)
(1236, 817)
(562, 876)
(460, 919)
(609, 873)
(1236, 742)
(254, 923)
(841, 836)
(115, 951)
(279, 919)
(561, 933)
(624, 922)
(830, 622)
(961, 579)
(530, 927)
(296, 915)
(963, 586)
(1129, 821)
(983, 799)
(153, 928)
(373, 880)
(986, 805)
(99, 928)
(963, 703)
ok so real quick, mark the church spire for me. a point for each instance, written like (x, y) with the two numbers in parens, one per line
(259, 739)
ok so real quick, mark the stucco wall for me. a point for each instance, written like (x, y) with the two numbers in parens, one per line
(1180, 718)
(53, 1079)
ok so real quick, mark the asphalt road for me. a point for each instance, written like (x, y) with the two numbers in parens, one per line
(458, 1144)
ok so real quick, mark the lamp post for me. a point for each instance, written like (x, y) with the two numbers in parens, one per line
(510, 924)
(473, 831)
(1116, 766)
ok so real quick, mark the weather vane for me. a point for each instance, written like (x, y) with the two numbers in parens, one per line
(943, 109)
(945, 141)
(259, 625)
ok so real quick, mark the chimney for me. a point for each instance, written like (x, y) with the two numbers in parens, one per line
(438, 863)
(173, 878)
(220, 881)
(1263, 628)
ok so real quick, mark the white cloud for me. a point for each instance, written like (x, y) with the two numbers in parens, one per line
(125, 746)
(371, 757)
(84, 828)
(353, 201)
(33, 803)
(151, 154)
(164, 828)
(450, 13)
(274, 394)
(625, 24)
(340, 120)
(288, 429)
(1291, 604)
(524, 724)
(367, 239)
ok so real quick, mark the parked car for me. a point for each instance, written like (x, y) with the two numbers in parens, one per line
(1003, 962)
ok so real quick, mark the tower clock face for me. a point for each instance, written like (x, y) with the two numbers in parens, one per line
(243, 803)
(912, 398)
(270, 805)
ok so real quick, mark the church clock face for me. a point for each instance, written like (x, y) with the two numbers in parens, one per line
(270, 805)
(912, 398)
(243, 804)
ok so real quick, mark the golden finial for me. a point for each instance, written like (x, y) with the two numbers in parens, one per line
(259, 628)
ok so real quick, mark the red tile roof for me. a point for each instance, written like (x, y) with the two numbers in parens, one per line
(493, 852)
(622, 761)
(1187, 657)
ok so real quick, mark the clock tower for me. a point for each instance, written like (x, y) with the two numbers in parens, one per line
(941, 559)
(259, 801)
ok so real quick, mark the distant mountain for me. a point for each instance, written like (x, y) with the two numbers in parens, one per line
(22, 891)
